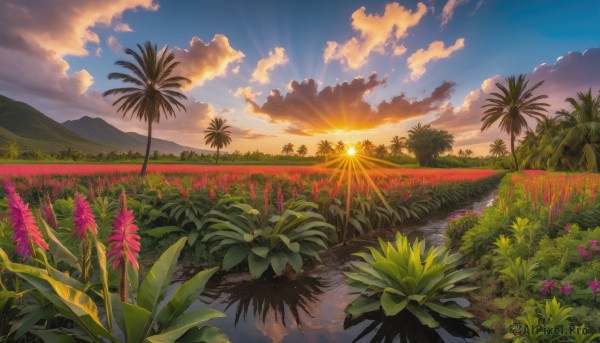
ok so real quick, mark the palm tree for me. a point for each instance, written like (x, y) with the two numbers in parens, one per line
(324, 148)
(578, 144)
(218, 135)
(302, 150)
(153, 89)
(461, 153)
(511, 107)
(367, 147)
(398, 143)
(498, 148)
(468, 153)
(11, 151)
(428, 143)
(288, 149)
(340, 148)
(381, 151)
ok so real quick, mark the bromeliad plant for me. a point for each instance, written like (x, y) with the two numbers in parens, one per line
(276, 242)
(408, 278)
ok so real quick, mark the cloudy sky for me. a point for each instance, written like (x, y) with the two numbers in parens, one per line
(302, 71)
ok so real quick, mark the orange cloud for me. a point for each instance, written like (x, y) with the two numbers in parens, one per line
(436, 51)
(114, 44)
(264, 67)
(448, 10)
(206, 61)
(342, 107)
(376, 32)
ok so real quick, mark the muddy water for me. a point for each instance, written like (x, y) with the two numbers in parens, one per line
(311, 308)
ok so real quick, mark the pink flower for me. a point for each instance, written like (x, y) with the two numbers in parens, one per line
(547, 286)
(595, 286)
(584, 253)
(594, 246)
(566, 289)
(49, 213)
(124, 243)
(84, 218)
(568, 228)
(26, 234)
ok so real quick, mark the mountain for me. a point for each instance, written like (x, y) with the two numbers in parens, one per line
(31, 129)
(98, 130)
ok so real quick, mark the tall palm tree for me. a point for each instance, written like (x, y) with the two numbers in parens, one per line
(511, 106)
(218, 135)
(498, 148)
(578, 144)
(461, 153)
(288, 149)
(367, 147)
(468, 152)
(398, 143)
(340, 148)
(428, 143)
(153, 88)
(381, 151)
(302, 150)
(324, 148)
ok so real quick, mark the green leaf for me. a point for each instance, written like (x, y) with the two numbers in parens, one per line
(234, 256)
(206, 334)
(53, 336)
(449, 309)
(134, 319)
(392, 302)
(154, 287)
(278, 262)
(423, 316)
(184, 296)
(184, 323)
(295, 260)
(257, 265)
(101, 251)
(58, 250)
(362, 305)
(158, 232)
(261, 251)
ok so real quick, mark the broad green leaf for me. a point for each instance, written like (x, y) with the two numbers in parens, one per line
(206, 334)
(154, 287)
(261, 251)
(101, 251)
(132, 320)
(295, 260)
(184, 296)
(392, 303)
(278, 262)
(257, 265)
(158, 232)
(183, 323)
(362, 305)
(58, 250)
(53, 336)
(234, 256)
(449, 309)
(423, 316)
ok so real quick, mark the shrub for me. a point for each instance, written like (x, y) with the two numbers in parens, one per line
(458, 226)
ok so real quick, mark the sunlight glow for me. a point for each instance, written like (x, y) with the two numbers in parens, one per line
(351, 151)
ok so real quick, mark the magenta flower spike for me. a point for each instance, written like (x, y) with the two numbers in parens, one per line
(26, 234)
(595, 286)
(547, 286)
(84, 218)
(124, 242)
(566, 289)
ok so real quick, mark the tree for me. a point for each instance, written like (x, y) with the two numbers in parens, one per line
(461, 153)
(381, 151)
(340, 148)
(155, 155)
(468, 152)
(428, 143)
(324, 149)
(511, 106)
(398, 143)
(498, 148)
(153, 89)
(218, 135)
(302, 150)
(11, 151)
(288, 149)
(577, 145)
(366, 147)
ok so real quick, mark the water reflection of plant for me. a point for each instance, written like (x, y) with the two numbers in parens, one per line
(406, 327)
(264, 296)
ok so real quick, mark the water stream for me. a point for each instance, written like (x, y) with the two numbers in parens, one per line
(311, 308)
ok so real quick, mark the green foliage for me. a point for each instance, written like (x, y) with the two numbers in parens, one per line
(275, 242)
(406, 277)
(457, 228)
(519, 276)
(428, 143)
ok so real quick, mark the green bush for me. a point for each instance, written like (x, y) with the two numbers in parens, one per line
(457, 228)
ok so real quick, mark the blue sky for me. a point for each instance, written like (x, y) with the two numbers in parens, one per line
(497, 39)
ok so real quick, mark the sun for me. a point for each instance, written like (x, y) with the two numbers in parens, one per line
(351, 151)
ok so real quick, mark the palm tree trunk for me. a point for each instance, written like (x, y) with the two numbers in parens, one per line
(512, 150)
(217, 162)
(145, 165)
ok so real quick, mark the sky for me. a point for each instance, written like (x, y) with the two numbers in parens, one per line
(303, 71)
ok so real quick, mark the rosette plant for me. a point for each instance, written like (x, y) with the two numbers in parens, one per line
(408, 278)
(275, 242)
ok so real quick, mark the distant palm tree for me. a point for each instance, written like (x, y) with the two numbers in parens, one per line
(511, 106)
(498, 148)
(302, 150)
(340, 148)
(461, 153)
(218, 135)
(288, 149)
(367, 147)
(398, 143)
(578, 144)
(381, 151)
(428, 143)
(11, 151)
(154, 89)
(468, 153)
(324, 148)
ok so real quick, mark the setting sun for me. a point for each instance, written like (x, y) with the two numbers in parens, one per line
(351, 151)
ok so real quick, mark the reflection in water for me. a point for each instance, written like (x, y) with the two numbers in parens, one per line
(267, 298)
(407, 328)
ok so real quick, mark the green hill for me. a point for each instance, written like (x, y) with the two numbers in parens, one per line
(31, 129)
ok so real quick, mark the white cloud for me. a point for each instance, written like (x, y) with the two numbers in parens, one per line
(436, 51)
(264, 67)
